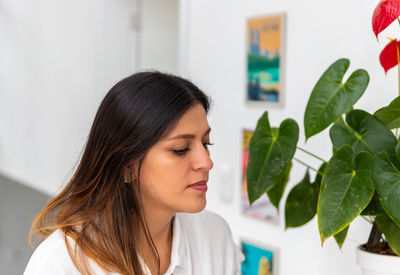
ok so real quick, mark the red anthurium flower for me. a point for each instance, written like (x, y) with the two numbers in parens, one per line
(388, 56)
(384, 14)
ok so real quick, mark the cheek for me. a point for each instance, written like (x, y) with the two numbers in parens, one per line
(163, 174)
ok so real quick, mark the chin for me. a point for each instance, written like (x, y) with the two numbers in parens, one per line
(195, 206)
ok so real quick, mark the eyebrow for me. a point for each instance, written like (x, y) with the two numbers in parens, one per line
(188, 136)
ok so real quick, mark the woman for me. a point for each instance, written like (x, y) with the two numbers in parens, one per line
(132, 206)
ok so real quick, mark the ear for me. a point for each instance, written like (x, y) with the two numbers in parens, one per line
(127, 174)
(131, 172)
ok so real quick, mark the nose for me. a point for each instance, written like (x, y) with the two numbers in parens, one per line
(202, 160)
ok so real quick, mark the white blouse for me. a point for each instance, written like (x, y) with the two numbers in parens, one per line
(202, 245)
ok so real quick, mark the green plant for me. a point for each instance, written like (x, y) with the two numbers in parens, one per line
(362, 177)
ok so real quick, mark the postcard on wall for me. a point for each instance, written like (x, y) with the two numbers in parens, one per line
(262, 208)
(259, 260)
(265, 58)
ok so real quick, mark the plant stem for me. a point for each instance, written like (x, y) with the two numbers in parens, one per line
(398, 65)
(375, 237)
(308, 166)
(311, 154)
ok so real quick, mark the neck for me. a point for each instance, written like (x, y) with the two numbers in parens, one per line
(160, 228)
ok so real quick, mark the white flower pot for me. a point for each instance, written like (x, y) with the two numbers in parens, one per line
(375, 264)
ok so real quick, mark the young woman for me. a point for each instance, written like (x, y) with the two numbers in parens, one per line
(134, 204)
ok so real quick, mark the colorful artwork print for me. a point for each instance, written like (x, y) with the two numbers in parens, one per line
(261, 208)
(264, 59)
(258, 261)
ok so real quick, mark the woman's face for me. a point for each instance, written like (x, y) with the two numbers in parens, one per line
(175, 163)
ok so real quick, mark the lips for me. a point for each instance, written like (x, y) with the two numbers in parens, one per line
(200, 186)
(203, 182)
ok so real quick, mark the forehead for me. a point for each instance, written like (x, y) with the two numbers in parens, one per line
(193, 121)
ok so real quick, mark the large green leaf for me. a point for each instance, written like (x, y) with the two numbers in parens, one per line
(319, 176)
(346, 189)
(374, 208)
(386, 179)
(373, 134)
(301, 203)
(276, 192)
(364, 133)
(342, 134)
(397, 149)
(341, 236)
(330, 97)
(390, 115)
(269, 155)
(391, 231)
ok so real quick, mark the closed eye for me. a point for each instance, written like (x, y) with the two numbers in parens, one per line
(181, 152)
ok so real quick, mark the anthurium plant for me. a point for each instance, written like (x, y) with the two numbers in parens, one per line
(361, 178)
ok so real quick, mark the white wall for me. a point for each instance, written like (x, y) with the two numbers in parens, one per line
(159, 35)
(57, 60)
(318, 33)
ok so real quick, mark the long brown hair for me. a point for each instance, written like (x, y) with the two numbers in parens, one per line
(98, 208)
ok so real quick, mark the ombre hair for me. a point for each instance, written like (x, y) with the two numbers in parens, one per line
(99, 209)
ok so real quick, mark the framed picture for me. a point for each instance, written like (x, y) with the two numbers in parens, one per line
(259, 259)
(262, 208)
(265, 59)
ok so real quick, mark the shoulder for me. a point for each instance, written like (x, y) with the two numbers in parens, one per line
(51, 257)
